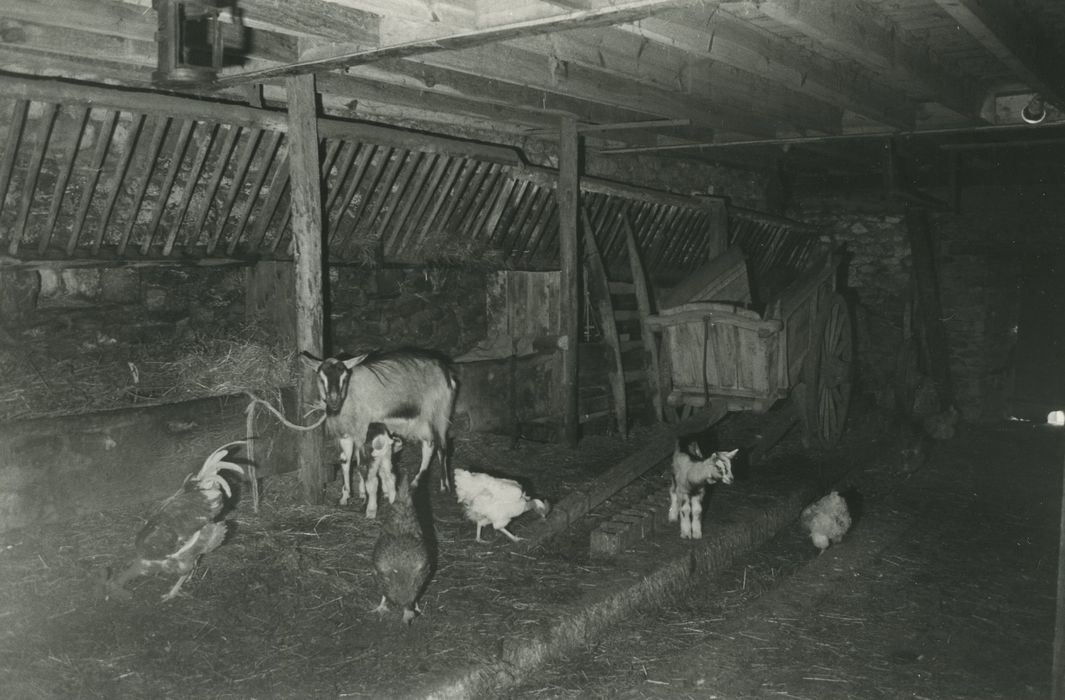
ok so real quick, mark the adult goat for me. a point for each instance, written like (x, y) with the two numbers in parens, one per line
(411, 391)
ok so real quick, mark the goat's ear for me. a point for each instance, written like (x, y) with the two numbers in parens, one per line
(732, 454)
(693, 448)
(397, 444)
(310, 360)
(351, 362)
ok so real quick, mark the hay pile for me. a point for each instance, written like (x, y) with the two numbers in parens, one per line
(39, 379)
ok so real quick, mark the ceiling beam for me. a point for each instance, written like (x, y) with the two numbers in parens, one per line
(1003, 32)
(430, 39)
(721, 37)
(858, 30)
(633, 57)
(507, 63)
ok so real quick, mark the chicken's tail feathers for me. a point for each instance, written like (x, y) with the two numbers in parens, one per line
(209, 476)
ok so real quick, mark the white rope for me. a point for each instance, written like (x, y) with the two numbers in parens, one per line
(255, 399)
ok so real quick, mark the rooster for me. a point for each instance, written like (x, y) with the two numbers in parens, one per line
(184, 527)
(495, 501)
(828, 519)
(401, 556)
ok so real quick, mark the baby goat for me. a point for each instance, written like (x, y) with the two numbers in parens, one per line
(412, 392)
(692, 472)
(380, 445)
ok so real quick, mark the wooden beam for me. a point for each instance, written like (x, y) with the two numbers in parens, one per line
(45, 125)
(859, 30)
(307, 232)
(723, 38)
(599, 13)
(999, 28)
(568, 194)
(599, 285)
(931, 311)
(68, 157)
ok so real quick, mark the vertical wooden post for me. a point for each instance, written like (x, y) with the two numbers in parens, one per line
(568, 194)
(306, 194)
(1057, 685)
(931, 312)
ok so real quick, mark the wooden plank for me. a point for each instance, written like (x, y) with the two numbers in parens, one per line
(307, 234)
(235, 185)
(273, 141)
(103, 144)
(597, 285)
(365, 155)
(931, 311)
(177, 155)
(331, 152)
(1058, 667)
(454, 168)
(14, 136)
(643, 303)
(45, 124)
(68, 158)
(220, 163)
(147, 167)
(569, 293)
(430, 39)
(120, 177)
(420, 195)
(190, 187)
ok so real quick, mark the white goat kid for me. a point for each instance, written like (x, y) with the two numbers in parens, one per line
(412, 392)
(381, 445)
(692, 473)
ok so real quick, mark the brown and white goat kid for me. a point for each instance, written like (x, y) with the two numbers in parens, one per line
(381, 445)
(412, 392)
(692, 473)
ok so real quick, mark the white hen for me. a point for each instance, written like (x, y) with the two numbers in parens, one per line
(827, 520)
(495, 501)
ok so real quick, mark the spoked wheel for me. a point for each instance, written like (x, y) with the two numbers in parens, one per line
(829, 374)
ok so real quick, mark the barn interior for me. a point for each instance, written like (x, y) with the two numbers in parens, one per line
(811, 225)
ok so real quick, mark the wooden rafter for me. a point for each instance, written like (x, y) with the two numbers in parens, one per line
(999, 29)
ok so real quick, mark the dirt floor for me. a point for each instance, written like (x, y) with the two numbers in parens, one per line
(943, 589)
(282, 609)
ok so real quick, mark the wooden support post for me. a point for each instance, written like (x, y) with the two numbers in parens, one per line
(1058, 669)
(307, 237)
(931, 313)
(568, 194)
(600, 287)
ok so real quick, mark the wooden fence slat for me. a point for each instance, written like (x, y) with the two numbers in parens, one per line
(177, 155)
(535, 218)
(103, 146)
(332, 150)
(417, 196)
(412, 166)
(120, 176)
(29, 185)
(273, 141)
(376, 197)
(236, 186)
(454, 168)
(68, 158)
(193, 179)
(362, 162)
(345, 159)
(14, 138)
(429, 191)
(228, 144)
(492, 191)
(491, 224)
(147, 167)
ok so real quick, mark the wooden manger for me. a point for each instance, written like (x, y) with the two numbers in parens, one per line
(729, 340)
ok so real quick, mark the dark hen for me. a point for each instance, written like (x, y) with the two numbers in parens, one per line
(184, 527)
(401, 556)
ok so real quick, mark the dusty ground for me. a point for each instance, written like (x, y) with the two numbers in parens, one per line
(944, 589)
(281, 610)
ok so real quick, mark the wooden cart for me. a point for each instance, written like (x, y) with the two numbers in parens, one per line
(720, 352)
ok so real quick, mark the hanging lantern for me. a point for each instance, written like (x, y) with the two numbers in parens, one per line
(190, 40)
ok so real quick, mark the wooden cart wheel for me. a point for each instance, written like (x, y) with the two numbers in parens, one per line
(828, 373)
